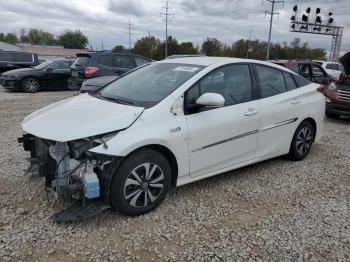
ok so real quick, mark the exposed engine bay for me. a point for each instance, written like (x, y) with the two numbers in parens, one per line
(70, 170)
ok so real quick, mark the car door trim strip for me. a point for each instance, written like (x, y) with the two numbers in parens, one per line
(226, 140)
(286, 122)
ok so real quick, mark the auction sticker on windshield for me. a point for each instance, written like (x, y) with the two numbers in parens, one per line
(186, 69)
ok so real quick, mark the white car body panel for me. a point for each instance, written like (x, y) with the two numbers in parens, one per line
(79, 117)
(204, 144)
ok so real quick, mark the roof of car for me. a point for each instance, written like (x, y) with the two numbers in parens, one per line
(209, 60)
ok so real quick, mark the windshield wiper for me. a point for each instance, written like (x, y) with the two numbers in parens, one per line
(123, 101)
(114, 99)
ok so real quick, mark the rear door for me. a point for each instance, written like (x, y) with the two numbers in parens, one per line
(78, 66)
(57, 74)
(280, 107)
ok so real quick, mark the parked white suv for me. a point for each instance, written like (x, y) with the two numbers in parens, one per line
(170, 123)
(332, 68)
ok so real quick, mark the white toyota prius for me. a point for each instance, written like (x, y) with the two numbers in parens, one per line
(170, 123)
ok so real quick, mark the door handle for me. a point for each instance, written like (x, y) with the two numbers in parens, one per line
(251, 111)
(295, 102)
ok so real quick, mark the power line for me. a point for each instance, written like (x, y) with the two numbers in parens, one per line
(272, 13)
(166, 14)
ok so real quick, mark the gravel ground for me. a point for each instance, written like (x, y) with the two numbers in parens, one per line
(277, 210)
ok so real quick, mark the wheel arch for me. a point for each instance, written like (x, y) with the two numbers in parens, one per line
(313, 123)
(167, 153)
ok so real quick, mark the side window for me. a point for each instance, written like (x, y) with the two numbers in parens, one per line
(318, 75)
(233, 82)
(123, 61)
(301, 81)
(139, 61)
(107, 60)
(271, 81)
(329, 66)
(61, 65)
(295, 68)
(305, 71)
(290, 83)
(23, 57)
(6, 56)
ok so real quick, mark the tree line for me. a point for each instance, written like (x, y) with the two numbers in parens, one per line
(68, 39)
(154, 48)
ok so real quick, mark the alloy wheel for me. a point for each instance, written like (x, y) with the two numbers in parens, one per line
(31, 85)
(144, 185)
(304, 140)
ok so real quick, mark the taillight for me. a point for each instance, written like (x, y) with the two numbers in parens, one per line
(88, 71)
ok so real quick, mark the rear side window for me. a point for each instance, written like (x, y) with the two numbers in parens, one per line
(124, 62)
(81, 61)
(107, 60)
(271, 81)
(301, 81)
(332, 66)
(290, 83)
(23, 57)
(6, 57)
(140, 61)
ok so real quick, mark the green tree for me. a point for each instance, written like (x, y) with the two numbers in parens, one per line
(73, 39)
(187, 48)
(148, 46)
(118, 48)
(10, 38)
(212, 47)
(37, 37)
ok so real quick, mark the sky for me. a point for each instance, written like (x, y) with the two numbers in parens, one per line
(228, 20)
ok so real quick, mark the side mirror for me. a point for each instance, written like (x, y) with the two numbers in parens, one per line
(49, 69)
(211, 100)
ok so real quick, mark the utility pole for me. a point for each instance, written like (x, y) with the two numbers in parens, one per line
(150, 42)
(129, 29)
(250, 39)
(272, 13)
(166, 14)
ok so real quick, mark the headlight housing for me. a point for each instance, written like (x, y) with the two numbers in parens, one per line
(332, 86)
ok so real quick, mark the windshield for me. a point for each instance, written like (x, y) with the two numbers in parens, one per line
(43, 65)
(150, 84)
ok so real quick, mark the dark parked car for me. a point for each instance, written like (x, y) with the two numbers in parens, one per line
(106, 63)
(338, 93)
(308, 69)
(15, 60)
(93, 84)
(47, 75)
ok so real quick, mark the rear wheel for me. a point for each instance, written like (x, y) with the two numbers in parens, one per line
(30, 85)
(140, 183)
(302, 141)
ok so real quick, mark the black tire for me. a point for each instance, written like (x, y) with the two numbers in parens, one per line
(302, 141)
(30, 85)
(123, 193)
(332, 114)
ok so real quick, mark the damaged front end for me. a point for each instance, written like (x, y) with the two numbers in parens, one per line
(73, 173)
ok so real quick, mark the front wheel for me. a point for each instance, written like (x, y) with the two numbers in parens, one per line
(30, 85)
(302, 141)
(140, 183)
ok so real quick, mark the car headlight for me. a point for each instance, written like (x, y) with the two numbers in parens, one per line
(332, 86)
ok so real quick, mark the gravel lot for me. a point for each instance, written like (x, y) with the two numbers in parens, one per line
(277, 210)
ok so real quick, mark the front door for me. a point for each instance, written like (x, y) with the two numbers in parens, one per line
(222, 137)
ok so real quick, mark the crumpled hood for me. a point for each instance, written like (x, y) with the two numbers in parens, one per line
(79, 117)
